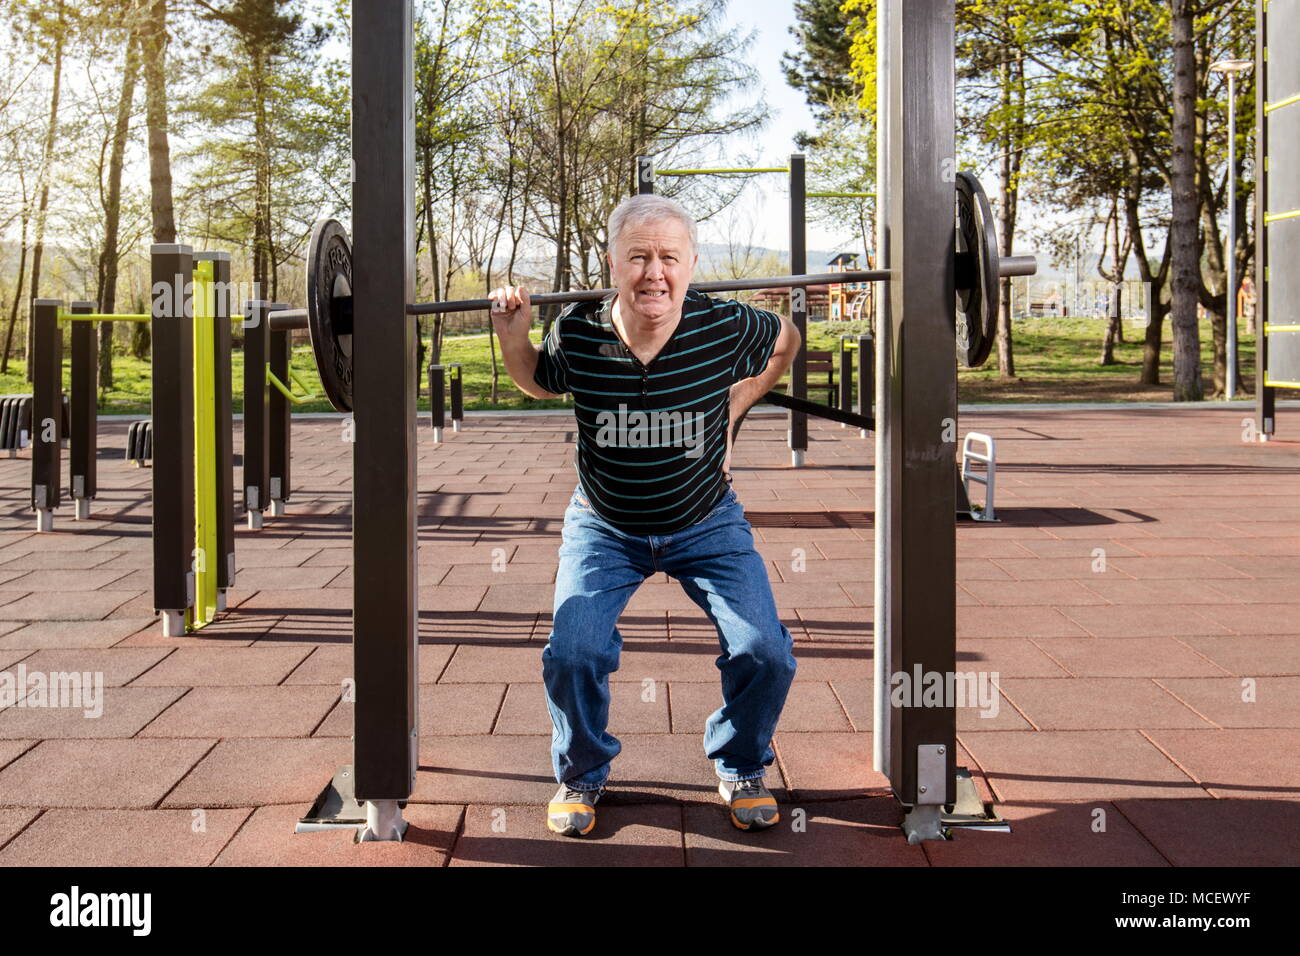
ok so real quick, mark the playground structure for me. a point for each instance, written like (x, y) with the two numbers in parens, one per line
(1277, 211)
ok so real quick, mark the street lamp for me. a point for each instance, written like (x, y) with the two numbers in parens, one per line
(1232, 68)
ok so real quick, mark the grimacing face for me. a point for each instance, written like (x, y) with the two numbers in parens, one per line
(651, 266)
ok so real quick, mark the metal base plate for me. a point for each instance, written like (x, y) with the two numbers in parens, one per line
(970, 811)
(927, 822)
(336, 807)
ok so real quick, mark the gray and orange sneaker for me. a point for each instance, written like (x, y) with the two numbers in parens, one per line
(572, 812)
(752, 805)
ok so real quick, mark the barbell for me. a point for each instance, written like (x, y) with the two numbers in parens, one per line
(328, 313)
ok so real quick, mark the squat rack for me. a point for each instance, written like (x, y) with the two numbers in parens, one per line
(915, 531)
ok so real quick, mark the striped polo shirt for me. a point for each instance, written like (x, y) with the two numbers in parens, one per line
(652, 438)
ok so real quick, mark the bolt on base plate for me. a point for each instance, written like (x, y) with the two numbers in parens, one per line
(337, 808)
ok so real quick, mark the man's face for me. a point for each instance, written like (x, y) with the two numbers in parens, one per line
(651, 265)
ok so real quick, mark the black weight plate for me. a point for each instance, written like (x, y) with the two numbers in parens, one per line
(976, 307)
(329, 278)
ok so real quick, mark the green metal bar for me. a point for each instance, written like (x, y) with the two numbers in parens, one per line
(1270, 107)
(102, 317)
(284, 389)
(302, 385)
(205, 442)
(841, 195)
(719, 172)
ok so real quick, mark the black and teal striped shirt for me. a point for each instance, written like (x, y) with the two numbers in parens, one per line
(652, 438)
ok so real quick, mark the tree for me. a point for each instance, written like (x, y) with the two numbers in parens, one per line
(56, 31)
(1185, 217)
(261, 102)
(991, 55)
(110, 256)
(822, 65)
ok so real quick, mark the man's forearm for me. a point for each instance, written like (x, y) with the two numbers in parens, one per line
(520, 356)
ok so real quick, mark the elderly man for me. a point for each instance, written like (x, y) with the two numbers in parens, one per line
(658, 374)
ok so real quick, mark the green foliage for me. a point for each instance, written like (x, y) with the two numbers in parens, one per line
(822, 67)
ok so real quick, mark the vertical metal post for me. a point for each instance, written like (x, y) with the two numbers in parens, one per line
(645, 175)
(437, 401)
(257, 449)
(1265, 397)
(1232, 236)
(207, 555)
(279, 429)
(223, 423)
(921, 427)
(798, 307)
(173, 433)
(384, 458)
(866, 376)
(84, 411)
(846, 375)
(880, 626)
(457, 396)
(47, 411)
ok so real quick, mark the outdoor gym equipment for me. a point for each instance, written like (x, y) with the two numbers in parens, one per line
(915, 621)
(192, 527)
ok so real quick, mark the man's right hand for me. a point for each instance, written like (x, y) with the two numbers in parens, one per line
(511, 311)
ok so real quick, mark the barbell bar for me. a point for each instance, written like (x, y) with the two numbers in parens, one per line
(328, 315)
(299, 319)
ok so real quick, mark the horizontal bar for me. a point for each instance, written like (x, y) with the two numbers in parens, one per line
(1270, 107)
(282, 319)
(840, 195)
(719, 285)
(719, 172)
(820, 411)
(143, 317)
(1275, 217)
(104, 317)
(1017, 266)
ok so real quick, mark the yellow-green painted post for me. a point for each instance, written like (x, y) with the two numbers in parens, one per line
(205, 445)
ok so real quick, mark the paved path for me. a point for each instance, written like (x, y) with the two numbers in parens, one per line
(1138, 604)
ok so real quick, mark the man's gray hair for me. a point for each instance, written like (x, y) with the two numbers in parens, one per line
(639, 210)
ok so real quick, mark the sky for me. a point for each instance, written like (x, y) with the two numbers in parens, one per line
(764, 200)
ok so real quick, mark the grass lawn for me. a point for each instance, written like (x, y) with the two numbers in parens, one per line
(1055, 359)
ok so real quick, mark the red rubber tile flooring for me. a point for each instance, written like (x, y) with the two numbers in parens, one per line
(1137, 609)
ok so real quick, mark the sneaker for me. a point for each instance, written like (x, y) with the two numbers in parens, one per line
(572, 812)
(752, 805)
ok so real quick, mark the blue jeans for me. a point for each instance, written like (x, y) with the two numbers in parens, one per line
(715, 561)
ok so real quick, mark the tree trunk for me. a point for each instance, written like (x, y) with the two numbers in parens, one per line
(153, 48)
(1119, 310)
(1114, 328)
(426, 187)
(1151, 343)
(263, 227)
(18, 295)
(106, 294)
(1183, 224)
(1010, 174)
(47, 165)
(1214, 275)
